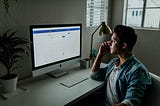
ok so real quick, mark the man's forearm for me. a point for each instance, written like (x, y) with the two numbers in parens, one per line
(97, 62)
(120, 104)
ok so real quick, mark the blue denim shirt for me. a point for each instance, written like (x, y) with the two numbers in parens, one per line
(132, 81)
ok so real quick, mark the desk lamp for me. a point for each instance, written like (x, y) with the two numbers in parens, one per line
(104, 30)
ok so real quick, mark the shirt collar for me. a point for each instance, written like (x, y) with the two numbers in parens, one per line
(126, 62)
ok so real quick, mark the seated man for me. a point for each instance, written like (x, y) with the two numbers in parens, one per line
(126, 78)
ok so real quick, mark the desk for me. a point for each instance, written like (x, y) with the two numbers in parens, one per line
(47, 91)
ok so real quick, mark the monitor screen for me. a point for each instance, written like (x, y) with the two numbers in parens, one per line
(54, 46)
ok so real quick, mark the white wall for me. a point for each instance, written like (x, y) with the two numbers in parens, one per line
(116, 12)
(28, 12)
(147, 49)
(147, 46)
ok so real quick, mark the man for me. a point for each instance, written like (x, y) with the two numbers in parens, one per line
(126, 78)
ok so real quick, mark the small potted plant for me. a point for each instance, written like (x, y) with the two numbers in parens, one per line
(12, 49)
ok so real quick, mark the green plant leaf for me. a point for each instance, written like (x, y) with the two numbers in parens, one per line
(12, 49)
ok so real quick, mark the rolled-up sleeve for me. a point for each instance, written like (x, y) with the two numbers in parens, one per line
(138, 83)
(99, 75)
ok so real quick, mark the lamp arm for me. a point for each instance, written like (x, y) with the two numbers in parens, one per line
(92, 39)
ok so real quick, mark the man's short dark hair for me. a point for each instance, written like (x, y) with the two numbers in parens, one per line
(126, 34)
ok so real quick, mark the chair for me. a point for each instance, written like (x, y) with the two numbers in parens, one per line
(152, 98)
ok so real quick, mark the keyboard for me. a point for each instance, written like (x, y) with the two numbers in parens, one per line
(74, 80)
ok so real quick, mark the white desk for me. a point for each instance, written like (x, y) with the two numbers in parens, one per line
(47, 91)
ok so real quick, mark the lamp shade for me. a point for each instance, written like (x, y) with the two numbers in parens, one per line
(104, 30)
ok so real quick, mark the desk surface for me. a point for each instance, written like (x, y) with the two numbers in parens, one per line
(47, 91)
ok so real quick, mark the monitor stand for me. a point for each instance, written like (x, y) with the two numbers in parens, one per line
(57, 73)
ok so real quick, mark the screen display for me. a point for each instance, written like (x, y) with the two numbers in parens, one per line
(53, 44)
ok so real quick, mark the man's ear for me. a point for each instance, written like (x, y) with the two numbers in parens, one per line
(124, 45)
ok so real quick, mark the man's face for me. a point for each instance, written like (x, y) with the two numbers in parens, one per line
(114, 44)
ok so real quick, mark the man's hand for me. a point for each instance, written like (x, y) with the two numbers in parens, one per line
(104, 48)
(120, 104)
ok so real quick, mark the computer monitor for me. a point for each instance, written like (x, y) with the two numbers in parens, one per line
(54, 47)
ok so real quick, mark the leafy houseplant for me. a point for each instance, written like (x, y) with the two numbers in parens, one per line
(12, 49)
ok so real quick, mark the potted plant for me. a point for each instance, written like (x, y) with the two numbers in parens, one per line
(12, 49)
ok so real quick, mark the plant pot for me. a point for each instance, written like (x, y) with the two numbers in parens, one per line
(9, 84)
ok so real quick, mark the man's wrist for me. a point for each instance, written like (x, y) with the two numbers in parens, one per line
(121, 104)
(127, 102)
